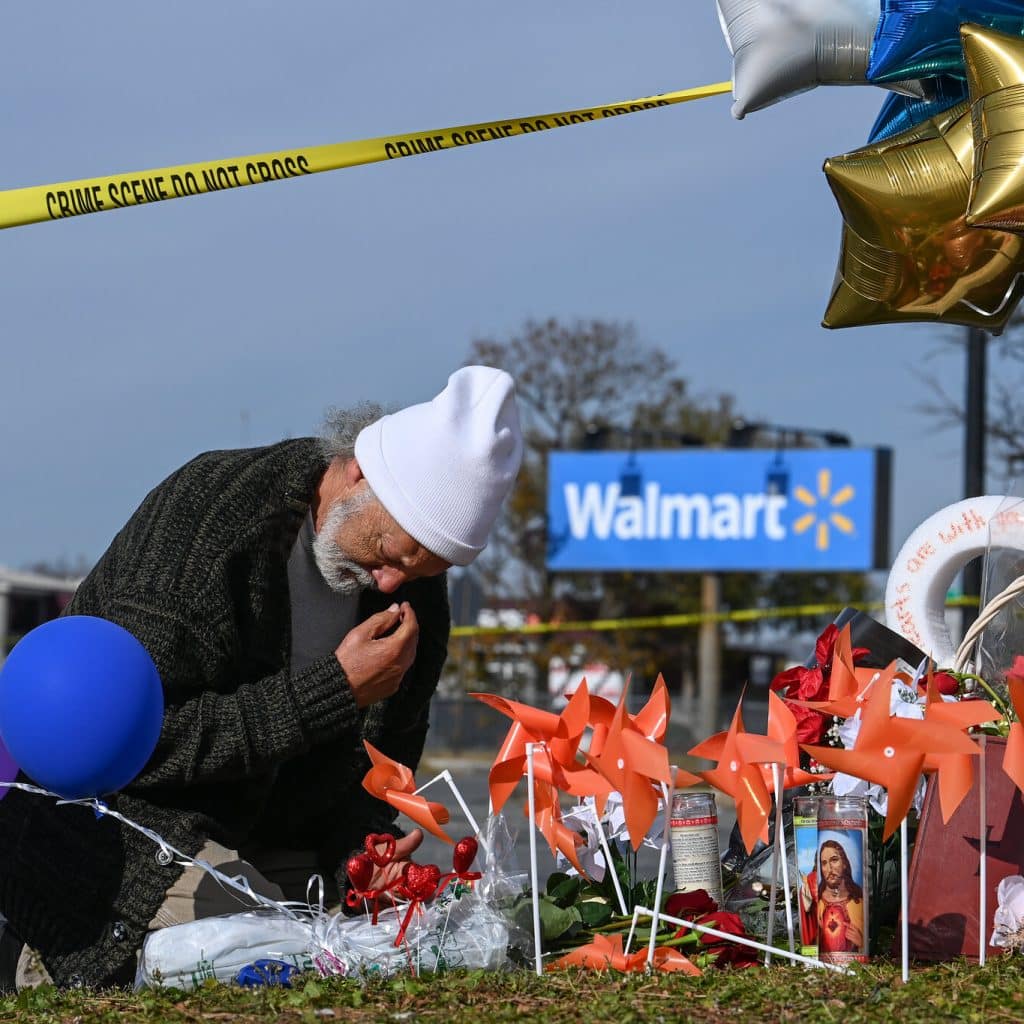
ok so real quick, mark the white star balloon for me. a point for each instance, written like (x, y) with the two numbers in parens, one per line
(783, 47)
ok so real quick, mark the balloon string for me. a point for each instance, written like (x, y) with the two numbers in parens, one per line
(292, 908)
(1001, 306)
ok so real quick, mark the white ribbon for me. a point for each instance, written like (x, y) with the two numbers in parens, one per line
(291, 908)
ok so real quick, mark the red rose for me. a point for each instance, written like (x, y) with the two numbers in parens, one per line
(799, 683)
(946, 684)
(725, 921)
(810, 724)
(825, 647)
(690, 904)
(1017, 668)
(732, 954)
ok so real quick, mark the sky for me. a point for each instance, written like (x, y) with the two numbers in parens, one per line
(135, 339)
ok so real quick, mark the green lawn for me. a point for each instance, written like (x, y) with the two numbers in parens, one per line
(957, 991)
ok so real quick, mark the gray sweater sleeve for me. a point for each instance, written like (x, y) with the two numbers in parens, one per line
(216, 730)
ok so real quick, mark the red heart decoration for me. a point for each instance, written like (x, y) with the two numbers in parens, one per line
(464, 854)
(373, 843)
(421, 880)
(359, 869)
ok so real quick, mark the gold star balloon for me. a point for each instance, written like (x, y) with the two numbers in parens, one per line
(908, 253)
(995, 79)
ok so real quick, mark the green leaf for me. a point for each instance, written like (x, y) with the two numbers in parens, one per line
(595, 913)
(556, 921)
(563, 889)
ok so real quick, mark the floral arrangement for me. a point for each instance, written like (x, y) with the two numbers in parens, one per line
(824, 722)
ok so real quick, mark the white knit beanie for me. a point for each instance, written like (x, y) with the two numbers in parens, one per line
(443, 468)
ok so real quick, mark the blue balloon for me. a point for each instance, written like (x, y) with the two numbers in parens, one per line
(921, 38)
(81, 706)
(899, 113)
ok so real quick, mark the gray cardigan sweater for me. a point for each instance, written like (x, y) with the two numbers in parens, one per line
(248, 751)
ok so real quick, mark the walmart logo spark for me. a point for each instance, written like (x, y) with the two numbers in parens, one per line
(822, 505)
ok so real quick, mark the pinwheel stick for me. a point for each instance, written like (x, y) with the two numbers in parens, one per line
(446, 776)
(904, 905)
(780, 851)
(740, 940)
(772, 901)
(532, 811)
(666, 795)
(608, 859)
(982, 854)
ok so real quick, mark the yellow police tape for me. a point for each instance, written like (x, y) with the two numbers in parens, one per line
(94, 195)
(683, 620)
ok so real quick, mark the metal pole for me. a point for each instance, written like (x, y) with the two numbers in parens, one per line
(974, 450)
(709, 656)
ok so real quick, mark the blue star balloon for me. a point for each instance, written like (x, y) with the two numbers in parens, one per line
(899, 113)
(921, 38)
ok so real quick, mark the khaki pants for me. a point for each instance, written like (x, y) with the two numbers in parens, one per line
(282, 875)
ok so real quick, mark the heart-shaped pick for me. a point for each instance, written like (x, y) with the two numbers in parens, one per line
(373, 845)
(421, 880)
(359, 869)
(464, 854)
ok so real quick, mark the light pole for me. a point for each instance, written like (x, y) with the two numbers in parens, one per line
(974, 452)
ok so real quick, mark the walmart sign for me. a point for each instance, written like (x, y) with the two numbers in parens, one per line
(800, 509)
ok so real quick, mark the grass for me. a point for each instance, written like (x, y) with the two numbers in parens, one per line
(948, 992)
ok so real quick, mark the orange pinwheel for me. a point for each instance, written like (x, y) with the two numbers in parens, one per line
(1013, 756)
(605, 954)
(547, 812)
(780, 746)
(393, 783)
(651, 721)
(632, 761)
(556, 763)
(847, 685)
(782, 729)
(954, 772)
(738, 774)
(891, 751)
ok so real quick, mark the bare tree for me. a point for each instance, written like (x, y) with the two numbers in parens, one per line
(1004, 421)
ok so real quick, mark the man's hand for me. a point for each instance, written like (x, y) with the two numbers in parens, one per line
(404, 849)
(377, 653)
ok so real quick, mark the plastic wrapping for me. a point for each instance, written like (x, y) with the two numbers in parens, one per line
(459, 929)
(465, 926)
(1003, 637)
(186, 955)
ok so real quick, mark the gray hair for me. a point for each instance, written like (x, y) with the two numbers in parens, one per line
(341, 427)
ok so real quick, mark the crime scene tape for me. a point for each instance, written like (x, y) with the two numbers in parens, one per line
(683, 620)
(94, 195)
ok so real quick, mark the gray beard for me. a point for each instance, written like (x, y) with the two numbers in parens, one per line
(340, 573)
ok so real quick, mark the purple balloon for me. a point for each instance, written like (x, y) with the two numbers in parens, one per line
(8, 769)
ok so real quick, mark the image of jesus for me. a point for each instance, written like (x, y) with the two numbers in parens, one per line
(840, 903)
